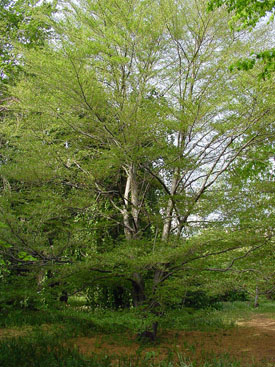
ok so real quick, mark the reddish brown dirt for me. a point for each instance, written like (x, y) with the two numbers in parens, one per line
(251, 341)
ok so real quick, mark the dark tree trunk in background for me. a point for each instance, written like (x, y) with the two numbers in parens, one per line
(138, 291)
(147, 335)
(256, 300)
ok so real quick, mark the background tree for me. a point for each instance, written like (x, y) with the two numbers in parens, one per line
(24, 22)
(247, 14)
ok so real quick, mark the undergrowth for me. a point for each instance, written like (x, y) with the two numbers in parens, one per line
(85, 321)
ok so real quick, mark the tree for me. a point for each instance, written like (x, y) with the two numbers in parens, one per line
(248, 13)
(133, 107)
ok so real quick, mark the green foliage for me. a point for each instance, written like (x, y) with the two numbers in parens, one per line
(248, 13)
(133, 157)
(266, 58)
(24, 22)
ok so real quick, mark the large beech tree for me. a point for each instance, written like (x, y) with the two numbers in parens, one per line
(131, 120)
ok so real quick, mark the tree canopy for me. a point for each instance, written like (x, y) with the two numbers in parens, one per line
(248, 11)
(134, 155)
(247, 14)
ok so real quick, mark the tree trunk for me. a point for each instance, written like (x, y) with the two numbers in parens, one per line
(125, 214)
(148, 335)
(138, 290)
(166, 226)
(256, 300)
(134, 199)
(131, 225)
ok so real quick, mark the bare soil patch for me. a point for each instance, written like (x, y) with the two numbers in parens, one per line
(259, 321)
(24, 331)
(13, 333)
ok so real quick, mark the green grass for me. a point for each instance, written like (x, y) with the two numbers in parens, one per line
(84, 321)
(212, 319)
(72, 322)
(43, 351)
(75, 322)
(245, 310)
(204, 320)
(266, 307)
(52, 348)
